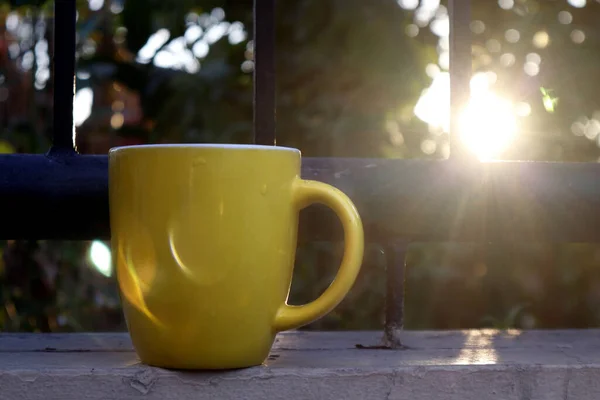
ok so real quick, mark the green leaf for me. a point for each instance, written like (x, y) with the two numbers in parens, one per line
(549, 100)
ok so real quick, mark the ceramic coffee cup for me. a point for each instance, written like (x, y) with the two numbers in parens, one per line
(204, 240)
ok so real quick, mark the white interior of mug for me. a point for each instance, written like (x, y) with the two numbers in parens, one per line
(206, 146)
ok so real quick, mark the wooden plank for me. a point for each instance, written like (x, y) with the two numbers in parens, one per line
(462, 365)
(64, 342)
(327, 340)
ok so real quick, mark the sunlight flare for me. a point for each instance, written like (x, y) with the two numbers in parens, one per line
(487, 125)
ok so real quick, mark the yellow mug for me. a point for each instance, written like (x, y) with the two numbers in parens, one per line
(204, 240)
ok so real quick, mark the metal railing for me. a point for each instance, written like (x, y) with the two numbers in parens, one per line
(460, 199)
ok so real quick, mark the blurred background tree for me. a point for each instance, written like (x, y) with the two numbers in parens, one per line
(356, 78)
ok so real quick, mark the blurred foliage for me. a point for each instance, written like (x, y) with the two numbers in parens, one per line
(349, 75)
(563, 39)
(340, 72)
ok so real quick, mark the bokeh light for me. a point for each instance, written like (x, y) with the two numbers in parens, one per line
(577, 36)
(95, 5)
(101, 258)
(541, 39)
(565, 17)
(577, 3)
(82, 105)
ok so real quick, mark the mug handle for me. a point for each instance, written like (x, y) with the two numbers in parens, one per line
(305, 193)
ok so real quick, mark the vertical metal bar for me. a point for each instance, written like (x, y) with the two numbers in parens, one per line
(460, 71)
(264, 72)
(65, 12)
(395, 253)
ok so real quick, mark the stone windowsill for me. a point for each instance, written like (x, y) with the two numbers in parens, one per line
(327, 365)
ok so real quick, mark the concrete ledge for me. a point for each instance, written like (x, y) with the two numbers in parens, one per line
(326, 365)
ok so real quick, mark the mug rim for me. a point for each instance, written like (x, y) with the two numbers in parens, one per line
(221, 146)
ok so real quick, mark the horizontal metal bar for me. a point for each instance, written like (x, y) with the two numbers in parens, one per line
(67, 198)
(45, 197)
(454, 201)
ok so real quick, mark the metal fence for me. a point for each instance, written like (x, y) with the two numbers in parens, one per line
(64, 195)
